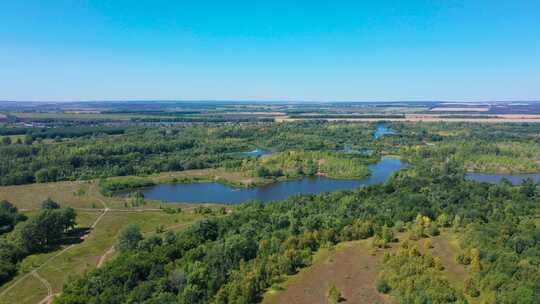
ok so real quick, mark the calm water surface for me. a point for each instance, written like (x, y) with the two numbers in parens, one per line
(218, 193)
(497, 178)
(382, 129)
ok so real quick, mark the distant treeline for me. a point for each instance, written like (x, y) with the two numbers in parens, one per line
(153, 112)
(347, 116)
(212, 119)
(62, 132)
(13, 131)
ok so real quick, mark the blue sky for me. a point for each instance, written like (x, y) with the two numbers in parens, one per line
(270, 50)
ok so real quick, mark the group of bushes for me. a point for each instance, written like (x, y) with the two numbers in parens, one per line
(9, 216)
(123, 184)
(39, 233)
(415, 277)
(297, 163)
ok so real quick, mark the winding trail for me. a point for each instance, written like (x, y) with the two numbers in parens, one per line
(49, 299)
(46, 283)
(41, 279)
(94, 224)
(104, 257)
(34, 272)
(50, 295)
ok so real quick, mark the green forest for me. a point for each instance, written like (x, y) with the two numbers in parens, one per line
(233, 259)
(237, 254)
(95, 152)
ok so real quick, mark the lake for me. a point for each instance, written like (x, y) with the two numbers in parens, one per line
(382, 129)
(515, 179)
(218, 193)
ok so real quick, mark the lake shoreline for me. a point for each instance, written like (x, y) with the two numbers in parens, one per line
(219, 193)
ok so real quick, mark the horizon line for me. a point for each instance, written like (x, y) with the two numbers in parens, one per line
(266, 101)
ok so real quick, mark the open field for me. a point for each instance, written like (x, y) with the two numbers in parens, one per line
(352, 267)
(79, 194)
(126, 117)
(435, 118)
(72, 116)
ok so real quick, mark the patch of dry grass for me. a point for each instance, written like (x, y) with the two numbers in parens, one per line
(75, 194)
(352, 267)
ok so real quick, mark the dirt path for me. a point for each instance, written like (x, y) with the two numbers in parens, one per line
(94, 188)
(49, 299)
(41, 279)
(49, 296)
(104, 257)
(33, 272)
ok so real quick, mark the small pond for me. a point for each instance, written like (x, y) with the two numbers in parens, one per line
(382, 129)
(497, 178)
(214, 192)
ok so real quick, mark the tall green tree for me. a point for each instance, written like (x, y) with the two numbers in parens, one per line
(129, 237)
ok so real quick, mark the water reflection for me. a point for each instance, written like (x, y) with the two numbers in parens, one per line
(515, 179)
(382, 129)
(219, 193)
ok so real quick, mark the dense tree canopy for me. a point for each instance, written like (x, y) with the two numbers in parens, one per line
(233, 259)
